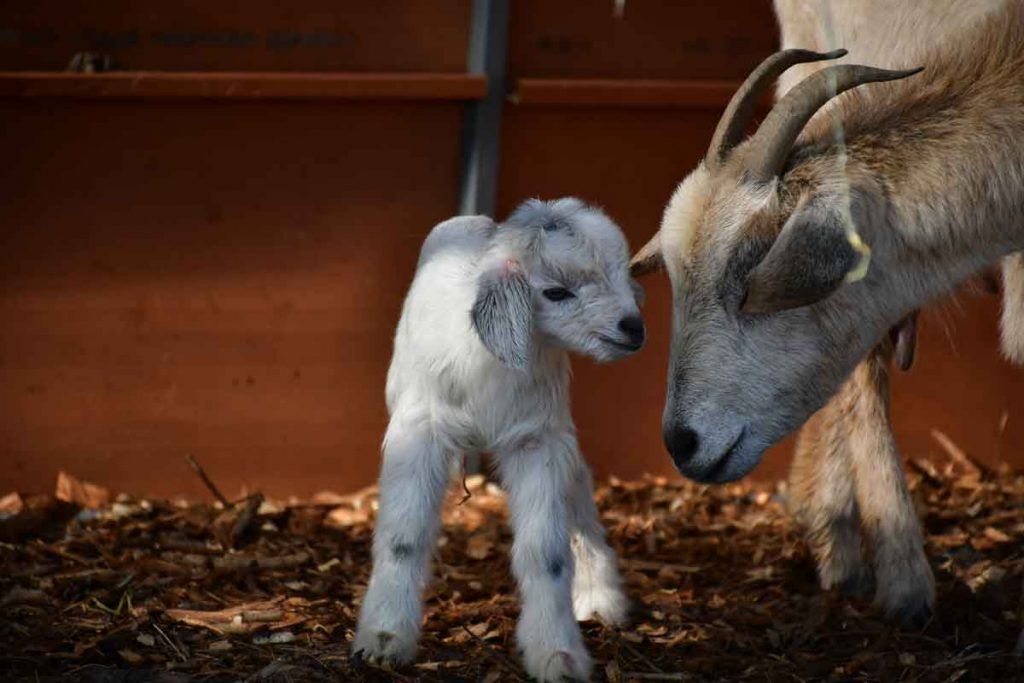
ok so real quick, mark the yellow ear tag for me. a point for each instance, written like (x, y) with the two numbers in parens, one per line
(861, 269)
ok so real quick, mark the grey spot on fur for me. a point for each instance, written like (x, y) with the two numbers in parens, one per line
(555, 567)
(402, 551)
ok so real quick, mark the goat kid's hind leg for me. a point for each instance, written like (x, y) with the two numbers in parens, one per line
(904, 584)
(413, 480)
(537, 479)
(822, 497)
(596, 584)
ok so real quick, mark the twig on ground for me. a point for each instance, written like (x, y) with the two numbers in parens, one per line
(501, 659)
(279, 562)
(206, 480)
(959, 455)
(181, 655)
(246, 519)
(647, 662)
(468, 493)
(927, 470)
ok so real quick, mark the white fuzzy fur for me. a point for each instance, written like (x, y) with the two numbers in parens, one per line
(449, 394)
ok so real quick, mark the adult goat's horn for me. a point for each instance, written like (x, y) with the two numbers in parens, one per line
(648, 259)
(737, 115)
(769, 147)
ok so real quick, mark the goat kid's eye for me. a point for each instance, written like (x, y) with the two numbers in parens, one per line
(558, 294)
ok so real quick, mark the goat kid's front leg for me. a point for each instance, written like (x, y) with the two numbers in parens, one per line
(904, 583)
(823, 497)
(537, 478)
(413, 480)
(596, 585)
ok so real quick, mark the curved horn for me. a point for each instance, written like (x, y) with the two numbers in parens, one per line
(770, 145)
(648, 259)
(741, 107)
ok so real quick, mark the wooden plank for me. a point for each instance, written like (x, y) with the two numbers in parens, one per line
(591, 92)
(422, 36)
(244, 86)
(678, 39)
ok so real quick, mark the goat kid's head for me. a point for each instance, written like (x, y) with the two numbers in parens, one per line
(767, 322)
(558, 273)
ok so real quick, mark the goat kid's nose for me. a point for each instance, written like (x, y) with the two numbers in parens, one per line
(681, 443)
(633, 327)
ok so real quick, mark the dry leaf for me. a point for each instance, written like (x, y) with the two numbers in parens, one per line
(346, 517)
(72, 490)
(996, 535)
(11, 504)
(479, 546)
(275, 614)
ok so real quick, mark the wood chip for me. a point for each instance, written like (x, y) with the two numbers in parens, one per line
(72, 490)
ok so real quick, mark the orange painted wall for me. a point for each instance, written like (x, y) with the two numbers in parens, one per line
(221, 278)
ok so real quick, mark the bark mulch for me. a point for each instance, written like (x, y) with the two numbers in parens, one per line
(128, 589)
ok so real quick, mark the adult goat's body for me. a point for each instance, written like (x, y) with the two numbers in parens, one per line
(847, 472)
(758, 242)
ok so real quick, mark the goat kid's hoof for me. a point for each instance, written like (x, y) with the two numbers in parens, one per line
(555, 666)
(607, 603)
(383, 647)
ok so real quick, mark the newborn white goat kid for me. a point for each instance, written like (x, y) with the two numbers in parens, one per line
(480, 364)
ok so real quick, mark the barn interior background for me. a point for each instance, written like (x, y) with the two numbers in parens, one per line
(204, 251)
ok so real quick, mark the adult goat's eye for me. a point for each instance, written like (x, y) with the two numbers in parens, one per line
(558, 294)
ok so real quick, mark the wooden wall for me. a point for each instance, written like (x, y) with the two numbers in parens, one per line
(220, 276)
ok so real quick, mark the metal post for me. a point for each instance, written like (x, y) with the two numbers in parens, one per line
(488, 42)
(481, 134)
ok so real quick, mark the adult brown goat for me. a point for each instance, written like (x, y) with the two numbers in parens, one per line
(794, 252)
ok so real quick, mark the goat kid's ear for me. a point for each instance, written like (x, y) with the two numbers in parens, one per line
(648, 259)
(503, 313)
(808, 261)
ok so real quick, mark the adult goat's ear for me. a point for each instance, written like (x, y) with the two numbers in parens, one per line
(809, 260)
(503, 313)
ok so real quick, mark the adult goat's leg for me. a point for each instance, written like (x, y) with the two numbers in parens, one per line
(823, 496)
(904, 584)
(413, 480)
(537, 478)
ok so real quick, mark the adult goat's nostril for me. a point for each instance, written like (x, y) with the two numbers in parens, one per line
(633, 327)
(681, 442)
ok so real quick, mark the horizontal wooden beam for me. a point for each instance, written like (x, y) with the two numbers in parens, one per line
(245, 86)
(584, 92)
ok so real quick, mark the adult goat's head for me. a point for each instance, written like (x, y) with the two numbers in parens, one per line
(763, 258)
